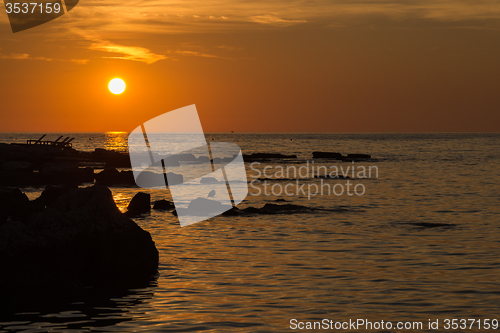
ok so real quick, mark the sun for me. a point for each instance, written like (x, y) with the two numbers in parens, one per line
(116, 86)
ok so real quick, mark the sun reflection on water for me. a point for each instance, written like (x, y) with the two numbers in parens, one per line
(116, 141)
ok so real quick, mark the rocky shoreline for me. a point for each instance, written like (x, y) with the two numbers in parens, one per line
(69, 239)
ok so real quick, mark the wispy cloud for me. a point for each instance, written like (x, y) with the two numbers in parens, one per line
(26, 56)
(271, 19)
(195, 54)
(100, 24)
(192, 16)
(133, 53)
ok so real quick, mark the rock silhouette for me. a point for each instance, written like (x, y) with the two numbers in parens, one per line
(266, 156)
(140, 204)
(81, 240)
(163, 205)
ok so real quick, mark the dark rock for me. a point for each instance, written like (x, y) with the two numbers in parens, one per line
(108, 176)
(16, 166)
(251, 210)
(202, 207)
(270, 209)
(163, 205)
(111, 158)
(175, 160)
(332, 177)
(232, 212)
(140, 204)
(13, 203)
(171, 161)
(265, 156)
(186, 157)
(329, 155)
(205, 206)
(20, 179)
(174, 178)
(51, 193)
(85, 175)
(65, 173)
(111, 177)
(81, 240)
(209, 180)
(58, 168)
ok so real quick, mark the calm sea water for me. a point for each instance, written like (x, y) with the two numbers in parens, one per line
(421, 243)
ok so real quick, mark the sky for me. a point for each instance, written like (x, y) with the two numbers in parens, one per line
(258, 66)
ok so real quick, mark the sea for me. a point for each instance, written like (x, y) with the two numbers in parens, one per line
(415, 240)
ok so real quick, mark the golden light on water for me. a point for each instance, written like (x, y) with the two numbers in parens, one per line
(116, 86)
(116, 141)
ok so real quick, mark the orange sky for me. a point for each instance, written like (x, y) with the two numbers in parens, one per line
(271, 66)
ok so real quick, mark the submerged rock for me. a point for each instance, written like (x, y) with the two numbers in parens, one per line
(332, 177)
(266, 156)
(329, 155)
(81, 240)
(270, 208)
(209, 180)
(357, 157)
(206, 206)
(163, 205)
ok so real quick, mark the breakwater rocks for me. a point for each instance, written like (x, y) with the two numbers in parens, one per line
(42, 165)
(39, 165)
(260, 157)
(73, 238)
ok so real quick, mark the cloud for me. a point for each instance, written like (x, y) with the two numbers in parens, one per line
(133, 53)
(195, 54)
(26, 56)
(271, 19)
(129, 52)
(229, 48)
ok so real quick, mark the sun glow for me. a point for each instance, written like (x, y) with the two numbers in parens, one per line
(116, 86)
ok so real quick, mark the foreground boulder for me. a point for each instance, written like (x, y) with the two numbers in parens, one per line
(13, 203)
(81, 240)
(51, 193)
